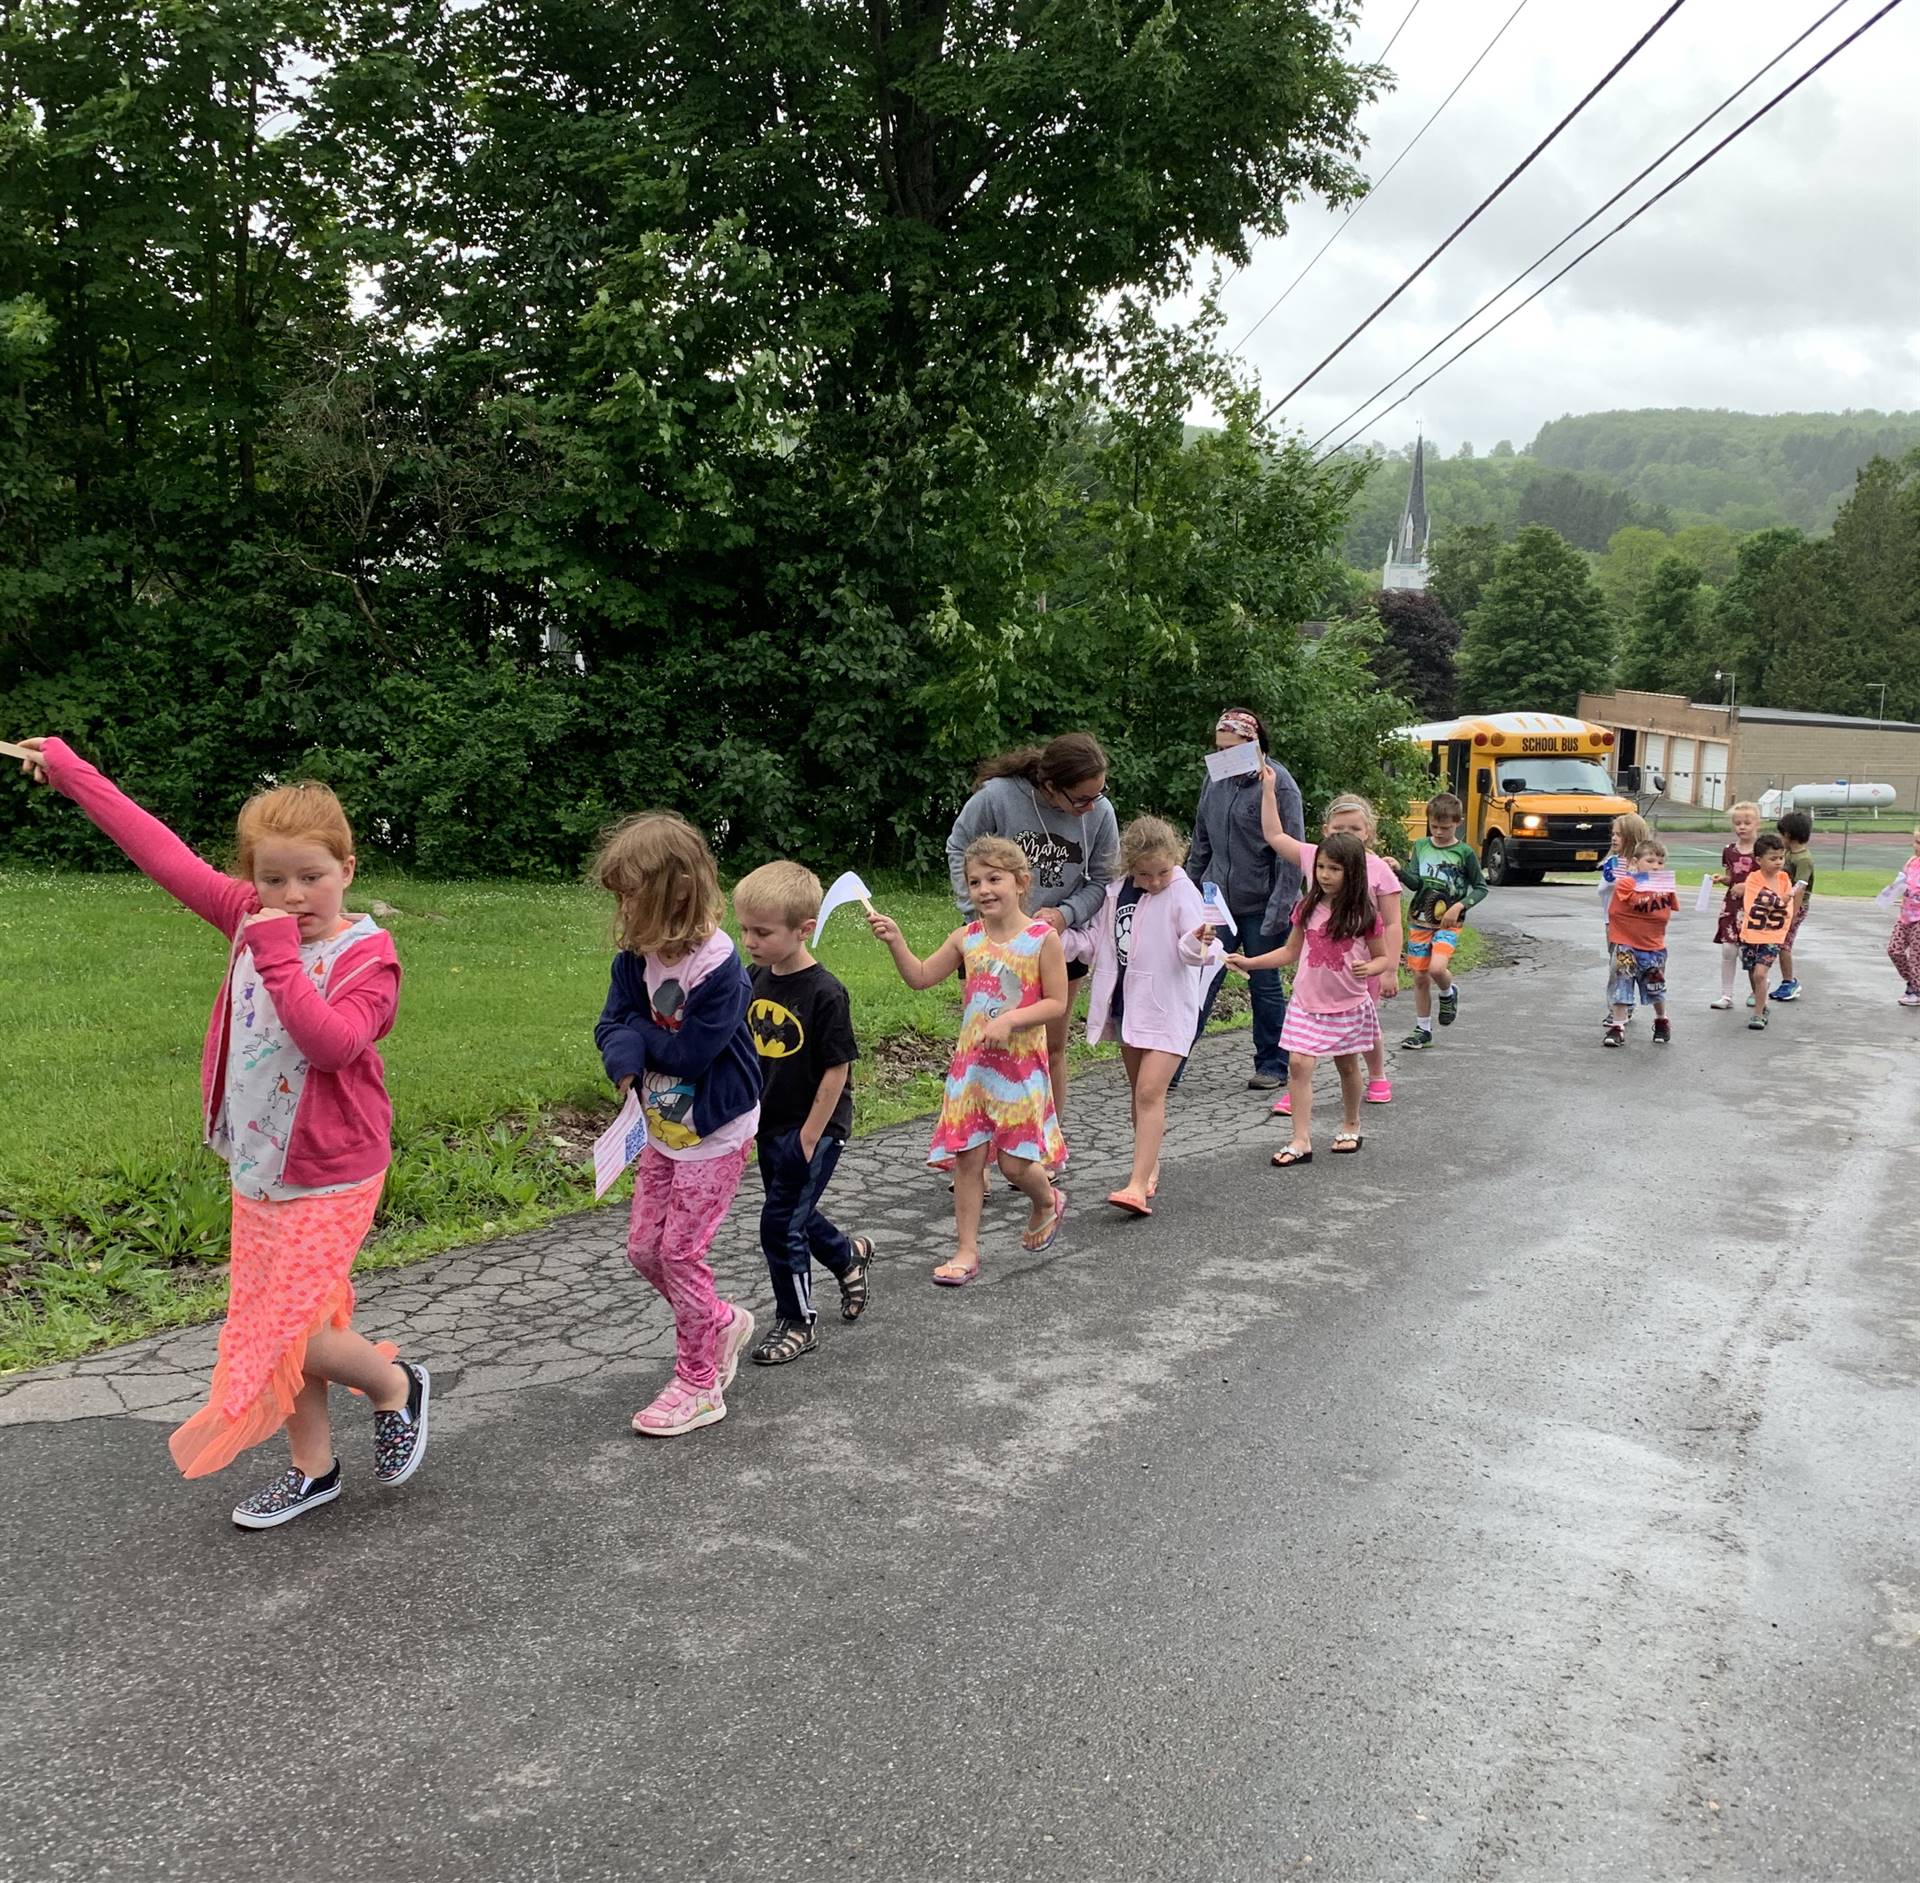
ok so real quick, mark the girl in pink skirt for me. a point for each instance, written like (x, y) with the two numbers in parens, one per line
(1339, 942)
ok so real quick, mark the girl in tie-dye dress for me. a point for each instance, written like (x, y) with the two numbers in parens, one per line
(998, 1103)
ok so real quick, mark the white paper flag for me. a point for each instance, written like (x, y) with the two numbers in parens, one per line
(845, 888)
(617, 1146)
(1217, 908)
(1888, 896)
(1704, 901)
(1235, 762)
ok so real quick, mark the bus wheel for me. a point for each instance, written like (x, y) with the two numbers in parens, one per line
(1493, 859)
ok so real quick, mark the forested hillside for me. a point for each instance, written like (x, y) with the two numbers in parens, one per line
(1666, 470)
(1744, 469)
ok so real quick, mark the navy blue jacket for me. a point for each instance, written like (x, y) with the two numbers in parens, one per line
(710, 1054)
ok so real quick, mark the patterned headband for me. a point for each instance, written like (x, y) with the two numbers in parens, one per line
(1240, 722)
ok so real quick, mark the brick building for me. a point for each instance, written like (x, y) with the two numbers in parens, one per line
(1712, 756)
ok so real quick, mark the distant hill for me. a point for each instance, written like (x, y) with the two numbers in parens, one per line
(1742, 469)
(1592, 475)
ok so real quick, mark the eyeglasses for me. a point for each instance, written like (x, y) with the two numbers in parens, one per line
(1083, 800)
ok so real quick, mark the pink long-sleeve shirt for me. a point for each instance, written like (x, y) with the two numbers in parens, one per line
(342, 1131)
(1166, 967)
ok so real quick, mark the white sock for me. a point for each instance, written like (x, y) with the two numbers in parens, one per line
(1424, 1022)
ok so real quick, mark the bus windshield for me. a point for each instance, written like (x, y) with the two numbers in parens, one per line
(1554, 774)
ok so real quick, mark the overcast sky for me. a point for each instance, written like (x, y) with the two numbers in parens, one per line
(1785, 276)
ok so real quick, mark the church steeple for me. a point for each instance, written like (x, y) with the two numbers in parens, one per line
(1407, 553)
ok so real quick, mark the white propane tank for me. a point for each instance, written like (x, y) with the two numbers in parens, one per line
(1841, 796)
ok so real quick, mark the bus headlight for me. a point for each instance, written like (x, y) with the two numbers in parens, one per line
(1533, 823)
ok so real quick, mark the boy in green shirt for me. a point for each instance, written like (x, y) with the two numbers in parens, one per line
(1446, 880)
(1797, 828)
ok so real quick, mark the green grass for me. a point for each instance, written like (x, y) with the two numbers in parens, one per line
(113, 1218)
(1829, 882)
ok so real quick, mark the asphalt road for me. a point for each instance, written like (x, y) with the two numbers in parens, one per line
(1529, 1497)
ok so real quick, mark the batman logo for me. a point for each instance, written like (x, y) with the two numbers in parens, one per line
(776, 1033)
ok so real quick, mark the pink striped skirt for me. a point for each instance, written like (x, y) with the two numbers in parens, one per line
(1322, 1034)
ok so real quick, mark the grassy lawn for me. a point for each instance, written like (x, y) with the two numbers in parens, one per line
(113, 1218)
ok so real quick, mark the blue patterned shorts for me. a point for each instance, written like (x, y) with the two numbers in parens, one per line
(1638, 970)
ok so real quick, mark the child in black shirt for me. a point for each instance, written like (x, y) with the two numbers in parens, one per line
(803, 1027)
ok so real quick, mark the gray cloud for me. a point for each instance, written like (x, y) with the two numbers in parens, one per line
(1785, 276)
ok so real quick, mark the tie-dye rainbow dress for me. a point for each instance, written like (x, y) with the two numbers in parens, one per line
(999, 1095)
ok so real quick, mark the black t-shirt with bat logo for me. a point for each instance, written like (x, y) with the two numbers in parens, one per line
(802, 1027)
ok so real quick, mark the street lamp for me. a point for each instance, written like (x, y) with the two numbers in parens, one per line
(1733, 685)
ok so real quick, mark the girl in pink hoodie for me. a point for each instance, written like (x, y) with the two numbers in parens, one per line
(295, 1100)
(1151, 947)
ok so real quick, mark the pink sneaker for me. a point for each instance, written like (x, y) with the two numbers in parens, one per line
(1379, 1092)
(727, 1345)
(680, 1408)
(1284, 1105)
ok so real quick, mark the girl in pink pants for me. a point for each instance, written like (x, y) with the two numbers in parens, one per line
(675, 1026)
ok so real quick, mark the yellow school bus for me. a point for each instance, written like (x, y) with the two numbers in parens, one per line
(1536, 788)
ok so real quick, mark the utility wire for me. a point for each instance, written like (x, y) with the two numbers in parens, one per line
(1779, 97)
(1377, 59)
(1374, 189)
(1623, 190)
(1619, 66)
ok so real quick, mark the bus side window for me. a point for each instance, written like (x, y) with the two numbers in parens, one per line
(1459, 758)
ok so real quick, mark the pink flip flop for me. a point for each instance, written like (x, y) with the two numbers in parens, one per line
(1052, 1232)
(1132, 1205)
(956, 1281)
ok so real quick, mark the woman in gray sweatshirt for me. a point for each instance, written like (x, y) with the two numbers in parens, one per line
(1051, 800)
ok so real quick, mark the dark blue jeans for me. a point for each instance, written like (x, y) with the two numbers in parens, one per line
(1269, 997)
(793, 1233)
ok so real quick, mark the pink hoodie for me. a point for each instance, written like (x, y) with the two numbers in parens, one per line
(1166, 972)
(343, 1131)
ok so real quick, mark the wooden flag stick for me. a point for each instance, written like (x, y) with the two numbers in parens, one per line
(9, 750)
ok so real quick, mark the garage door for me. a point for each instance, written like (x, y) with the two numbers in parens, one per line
(1713, 776)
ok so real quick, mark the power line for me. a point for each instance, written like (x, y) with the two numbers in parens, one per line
(1379, 57)
(1341, 227)
(1619, 66)
(1778, 98)
(1623, 190)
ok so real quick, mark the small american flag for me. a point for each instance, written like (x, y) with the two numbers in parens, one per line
(617, 1146)
(1655, 882)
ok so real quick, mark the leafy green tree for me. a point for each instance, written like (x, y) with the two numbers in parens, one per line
(1745, 631)
(1625, 572)
(1541, 634)
(1460, 565)
(1417, 654)
(1664, 651)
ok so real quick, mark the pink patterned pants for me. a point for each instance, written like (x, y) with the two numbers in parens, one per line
(678, 1208)
(1903, 950)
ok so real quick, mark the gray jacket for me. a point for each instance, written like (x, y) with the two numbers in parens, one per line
(1229, 850)
(1073, 855)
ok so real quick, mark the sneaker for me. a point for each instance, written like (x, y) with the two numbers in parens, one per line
(1911, 998)
(1449, 1006)
(1663, 1033)
(1379, 1092)
(1283, 1105)
(1417, 1041)
(788, 1341)
(292, 1494)
(1615, 1035)
(1749, 1000)
(400, 1438)
(1758, 1024)
(681, 1408)
(734, 1336)
(1266, 1082)
(1722, 1004)
(1787, 990)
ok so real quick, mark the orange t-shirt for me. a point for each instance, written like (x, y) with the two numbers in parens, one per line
(1637, 917)
(1766, 907)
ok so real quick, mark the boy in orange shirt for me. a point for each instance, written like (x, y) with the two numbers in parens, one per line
(1642, 904)
(1767, 903)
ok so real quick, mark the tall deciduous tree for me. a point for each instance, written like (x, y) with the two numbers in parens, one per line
(1665, 651)
(1541, 635)
(1417, 654)
(1460, 565)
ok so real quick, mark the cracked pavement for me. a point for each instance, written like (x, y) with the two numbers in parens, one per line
(1528, 1498)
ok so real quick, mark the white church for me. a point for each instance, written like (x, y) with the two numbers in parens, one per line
(1407, 553)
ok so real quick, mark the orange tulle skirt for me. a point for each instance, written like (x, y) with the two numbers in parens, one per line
(289, 1279)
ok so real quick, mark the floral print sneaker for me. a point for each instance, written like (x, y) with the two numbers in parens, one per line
(728, 1344)
(681, 1408)
(400, 1438)
(292, 1494)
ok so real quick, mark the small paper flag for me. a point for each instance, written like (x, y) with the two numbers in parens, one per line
(1704, 901)
(1217, 914)
(617, 1146)
(845, 888)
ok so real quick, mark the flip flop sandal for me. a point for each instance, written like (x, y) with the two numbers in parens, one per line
(1290, 1159)
(951, 1275)
(1131, 1204)
(1345, 1143)
(1051, 1233)
(1153, 1186)
(854, 1284)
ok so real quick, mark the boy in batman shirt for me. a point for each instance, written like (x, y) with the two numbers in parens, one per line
(802, 1027)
